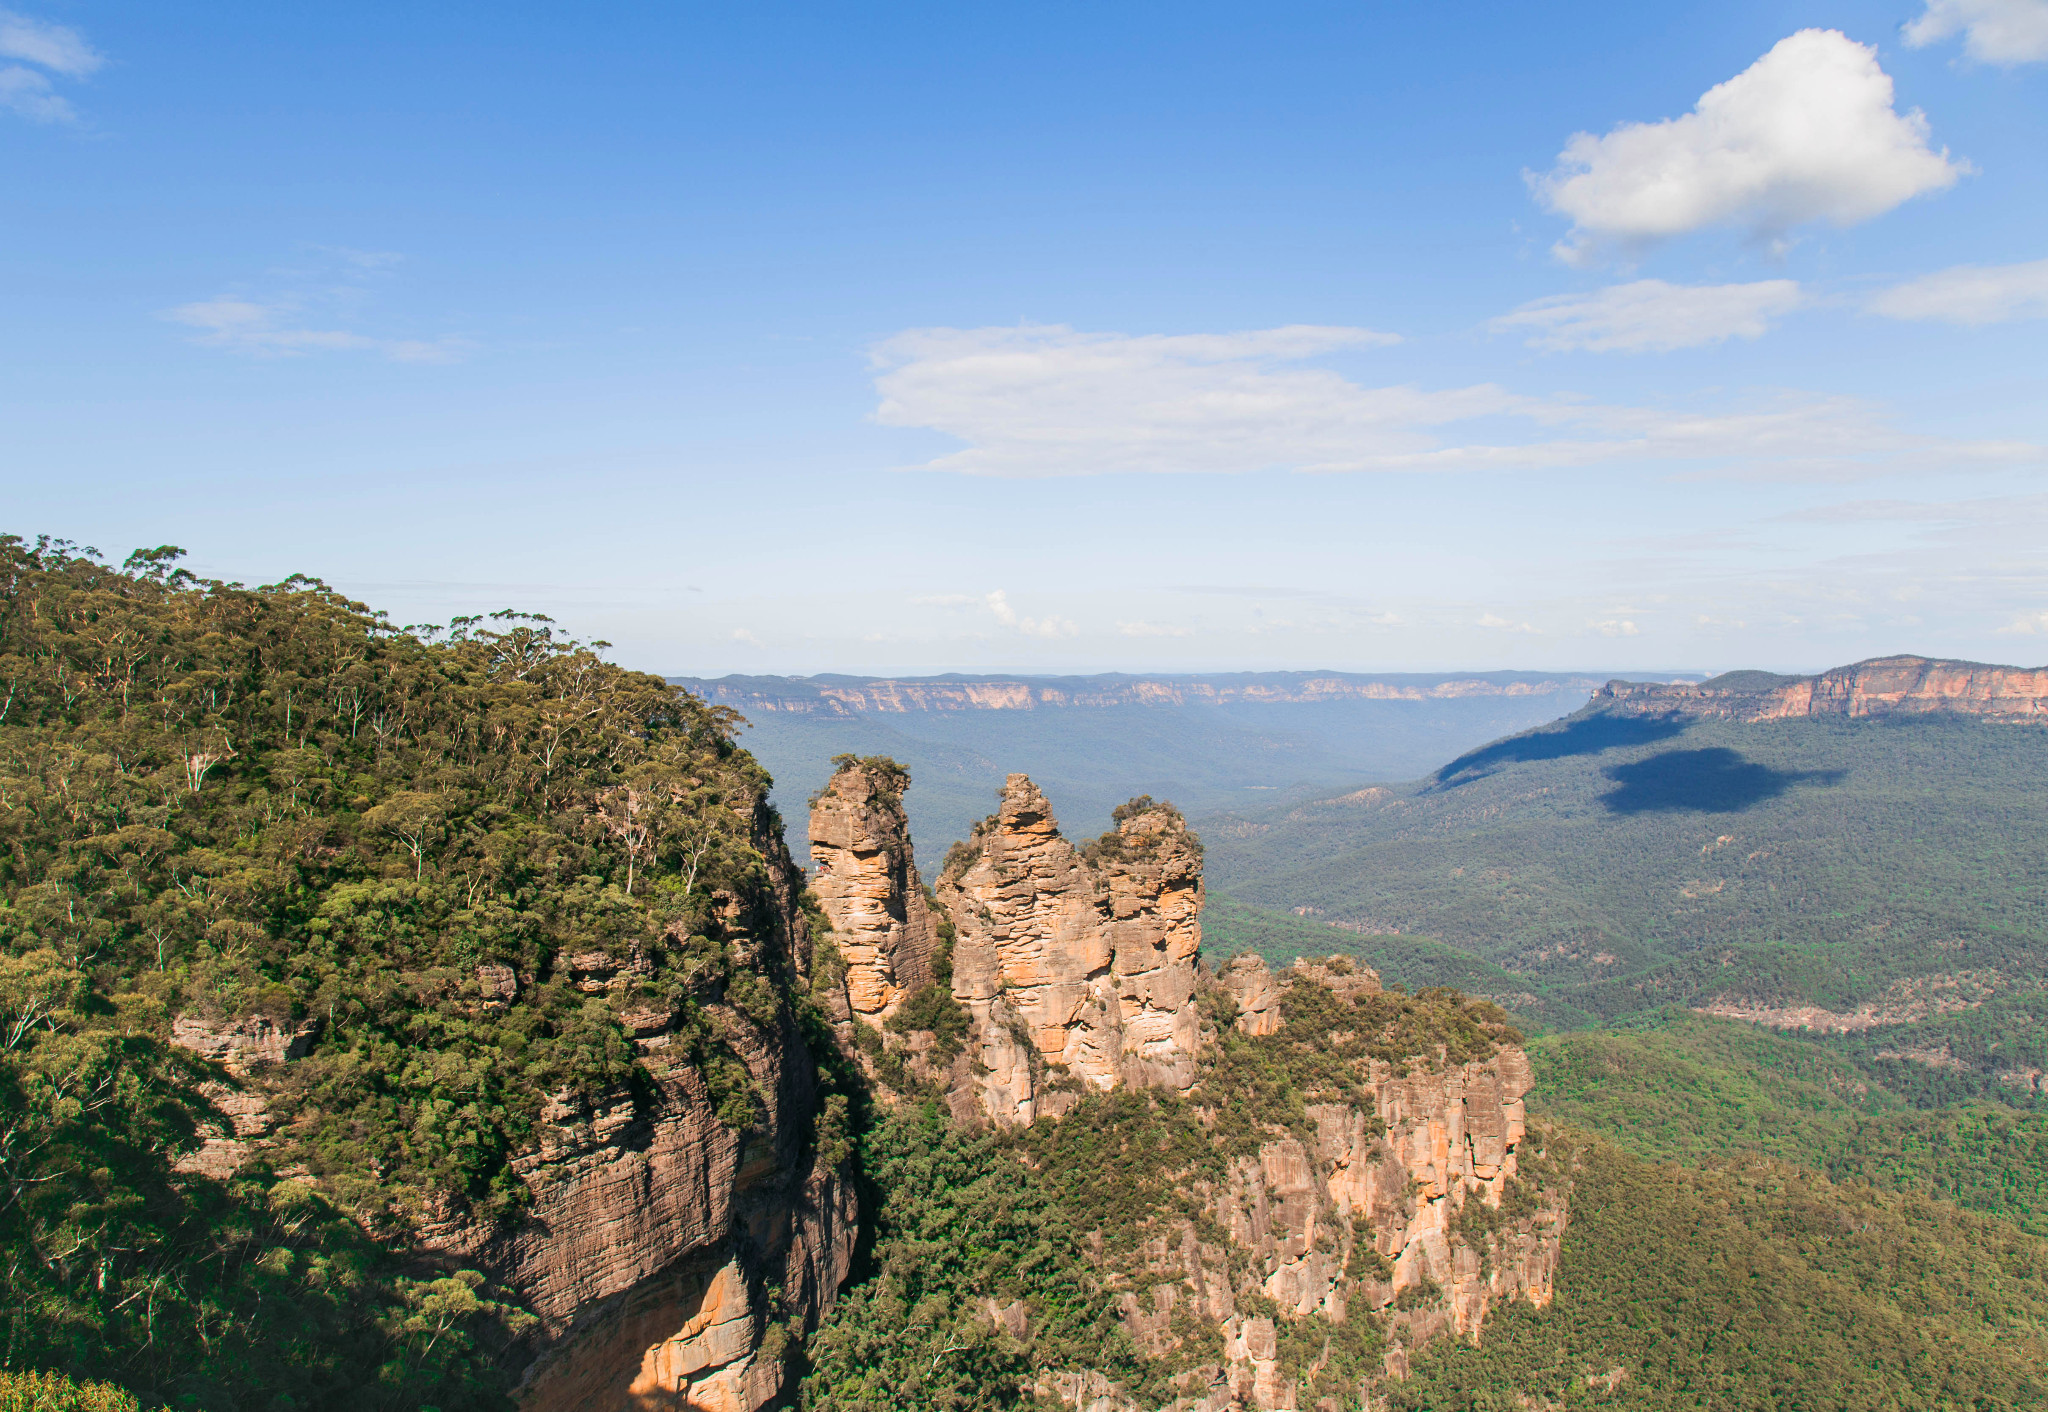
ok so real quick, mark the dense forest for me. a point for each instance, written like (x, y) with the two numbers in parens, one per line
(231, 804)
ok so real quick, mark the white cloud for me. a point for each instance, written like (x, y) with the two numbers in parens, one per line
(2028, 625)
(1498, 623)
(265, 330)
(1616, 627)
(1050, 401)
(1806, 133)
(1650, 316)
(2003, 32)
(48, 46)
(1970, 294)
(1145, 629)
(999, 604)
(26, 90)
(746, 635)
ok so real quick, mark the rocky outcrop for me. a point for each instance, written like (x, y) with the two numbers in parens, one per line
(1412, 1203)
(248, 1047)
(1077, 970)
(1882, 686)
(864, 877)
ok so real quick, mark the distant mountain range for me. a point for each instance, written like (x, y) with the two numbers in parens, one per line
(847, 696)
(1207, 742)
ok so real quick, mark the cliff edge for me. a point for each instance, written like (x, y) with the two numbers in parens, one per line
(1882, 686)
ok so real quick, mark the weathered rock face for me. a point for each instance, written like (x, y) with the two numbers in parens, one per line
(1882, 686)
(656, 1232)
(864, 877)
(248, 1047)
(1077, 972)
(1382, 1202)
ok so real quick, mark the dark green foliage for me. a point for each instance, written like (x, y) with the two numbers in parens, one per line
(1112, 846)
(933, 1008)
(1415, 962)
(959, 1221)
(1692, 1089)
(233, 802)
(1758, 1286)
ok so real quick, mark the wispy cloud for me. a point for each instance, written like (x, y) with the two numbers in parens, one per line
(2002, 32)
(311, 311)
(43, 49)
(1806, 133)
(1969, 295)
(1497, 623)
(1052, 401)
(1650, 316)
(999, 604)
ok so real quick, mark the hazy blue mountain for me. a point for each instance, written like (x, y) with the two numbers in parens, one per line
(1208, 743)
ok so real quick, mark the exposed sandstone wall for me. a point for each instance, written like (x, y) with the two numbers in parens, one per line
(1882, 686)
(656, 1232)
(865, 879)
(1076, 974)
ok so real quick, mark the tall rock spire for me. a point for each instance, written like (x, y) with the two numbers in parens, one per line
(867, 882)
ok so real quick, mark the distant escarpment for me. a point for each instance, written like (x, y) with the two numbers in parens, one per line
(844, 695)
(1286, 1182)
(1882, 686)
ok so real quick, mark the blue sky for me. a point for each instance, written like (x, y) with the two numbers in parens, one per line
(1056, 337)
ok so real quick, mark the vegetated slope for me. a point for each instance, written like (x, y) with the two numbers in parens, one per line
(269, 813)
(1204, 756)
(1619, 863)
(1757, 1285)
(1415, 962)
(1692, 1089)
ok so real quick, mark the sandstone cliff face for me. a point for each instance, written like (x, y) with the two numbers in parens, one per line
(1413, 1194)
(1077, 973)
(1883, 686)
(656, 1232)
(864, 878)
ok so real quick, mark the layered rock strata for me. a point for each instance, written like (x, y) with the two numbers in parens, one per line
(1882, 686)
(662, 1246)
(1077, 970)
(865, 879)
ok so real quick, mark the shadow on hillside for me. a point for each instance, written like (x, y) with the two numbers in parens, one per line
(1589, 735)
(1715, 780)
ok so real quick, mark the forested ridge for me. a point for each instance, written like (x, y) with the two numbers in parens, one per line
(225, 802)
